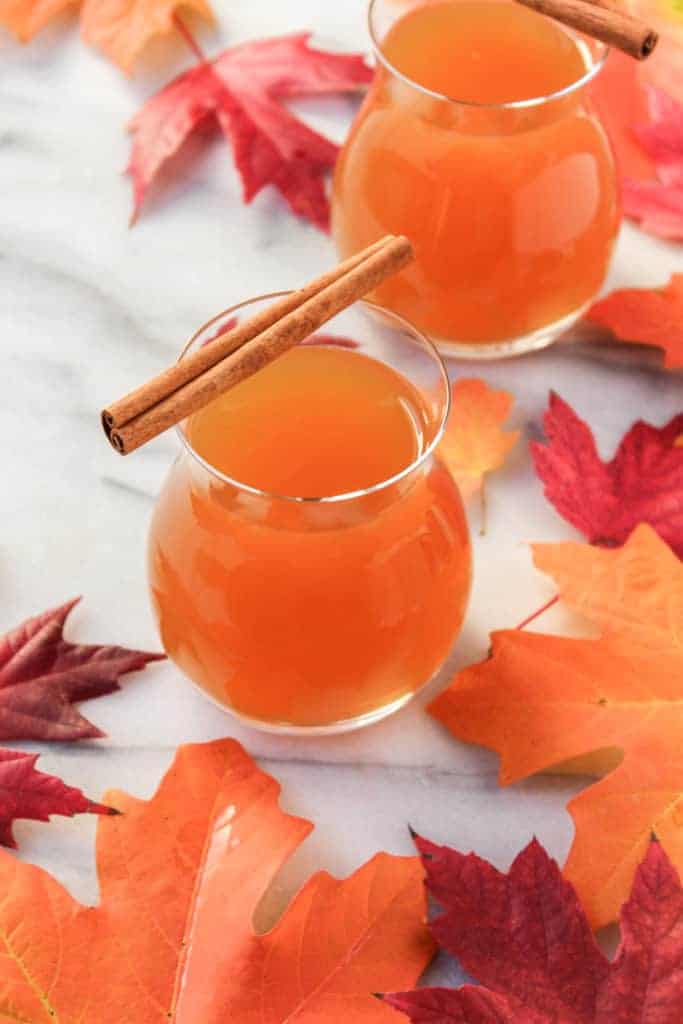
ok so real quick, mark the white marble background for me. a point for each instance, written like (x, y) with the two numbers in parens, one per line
(90, 308)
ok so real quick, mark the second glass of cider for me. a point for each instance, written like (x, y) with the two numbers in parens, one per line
(479, 142)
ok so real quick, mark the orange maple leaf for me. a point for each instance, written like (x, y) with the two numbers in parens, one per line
(474, 443)
(121, 28)
(609, 705)
(646, 316)
(172, 939)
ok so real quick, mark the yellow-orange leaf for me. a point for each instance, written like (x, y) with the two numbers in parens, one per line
(542, 701)
(172, 940)
(474, 442)
(121, 28)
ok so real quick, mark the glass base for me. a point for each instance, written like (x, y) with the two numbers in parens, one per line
(346, 725)
(333, 729)
(538, 339)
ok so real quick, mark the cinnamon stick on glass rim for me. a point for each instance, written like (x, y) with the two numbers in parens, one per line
(196, 380)
(615, 28)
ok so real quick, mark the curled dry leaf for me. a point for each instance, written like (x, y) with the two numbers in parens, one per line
(121, 28)
(42, 675)
(474, 443)
(243, 89)
(172, 939)
(643, 483)
(611, 704)
(28, 793)
(525, 937)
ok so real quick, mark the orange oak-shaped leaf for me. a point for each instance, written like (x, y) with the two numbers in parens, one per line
(543, 701)
(474, 442)
(172, 939)
(647, 316)
(121, 28)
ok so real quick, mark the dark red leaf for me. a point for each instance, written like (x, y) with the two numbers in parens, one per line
(525, 936)
(466, 1005)
(243, 89)
(42, 675)
(643, 483)
(27, 793)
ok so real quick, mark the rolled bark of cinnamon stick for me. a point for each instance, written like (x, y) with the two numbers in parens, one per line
(185, 370)
(377, 263)
(602, 22)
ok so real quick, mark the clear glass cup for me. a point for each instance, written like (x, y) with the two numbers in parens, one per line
(512, 208)
(315, 614)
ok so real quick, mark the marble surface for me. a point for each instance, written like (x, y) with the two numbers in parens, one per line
(90, 308)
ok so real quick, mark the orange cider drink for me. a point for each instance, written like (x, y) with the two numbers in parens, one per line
(478, 141)
(309, 557)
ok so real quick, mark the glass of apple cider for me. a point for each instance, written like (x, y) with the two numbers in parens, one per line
(479, 142)
(309, 558)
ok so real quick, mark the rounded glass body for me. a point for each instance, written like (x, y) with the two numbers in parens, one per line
(324, 613)
(512, 208)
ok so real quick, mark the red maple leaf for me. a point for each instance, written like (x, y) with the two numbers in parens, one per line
(662, 136)
(658, 205)
(28, 793)
(525, 937)
(645, 127)
(643, 483)
(42, 675)
(243, 89)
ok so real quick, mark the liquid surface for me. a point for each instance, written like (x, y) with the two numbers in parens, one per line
(317, 421)
(512, 213)
(483, 52)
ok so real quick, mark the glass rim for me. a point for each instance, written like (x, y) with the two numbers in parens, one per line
(327, 499)
(533, 101)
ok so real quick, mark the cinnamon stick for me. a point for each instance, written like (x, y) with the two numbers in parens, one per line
(186, 369)
(610, 26)
(304, 312)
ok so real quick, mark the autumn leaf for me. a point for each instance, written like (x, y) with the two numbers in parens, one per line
(643, 483)
(646, 316)
(121, 28)
(621, 100)
(474, 443)
(665, 67)
(28, 793)
(658, 207)
(662, 136)
(172, 939)
(611, 704)
(644, 126)
(42, 675)
(243, 90)
(525, 937)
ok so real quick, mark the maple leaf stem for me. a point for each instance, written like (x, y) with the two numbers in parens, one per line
(189, 38)
(539, 611)
(484, 509)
